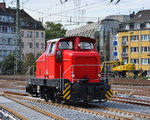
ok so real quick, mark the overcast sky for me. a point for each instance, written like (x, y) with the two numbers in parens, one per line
(75, 13)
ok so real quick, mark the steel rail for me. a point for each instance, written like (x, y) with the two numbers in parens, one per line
(16, 93)
(141, 89)
(135, 93)
(51, 115)
(74, 108)
(122, 111)
(131, 99)
(128, 102)
(12, 112)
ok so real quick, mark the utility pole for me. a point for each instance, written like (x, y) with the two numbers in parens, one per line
(18, 51)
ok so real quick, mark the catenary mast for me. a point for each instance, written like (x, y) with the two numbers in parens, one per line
(18, 51)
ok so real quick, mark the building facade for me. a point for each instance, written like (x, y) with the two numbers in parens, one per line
(32, 33)
(134, 41)
(103, 31)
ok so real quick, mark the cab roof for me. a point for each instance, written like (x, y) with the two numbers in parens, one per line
(57, 39)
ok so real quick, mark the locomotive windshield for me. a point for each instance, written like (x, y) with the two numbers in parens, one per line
(86, 45)
(65, 45)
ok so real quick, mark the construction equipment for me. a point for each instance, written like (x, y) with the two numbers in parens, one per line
(118, 68)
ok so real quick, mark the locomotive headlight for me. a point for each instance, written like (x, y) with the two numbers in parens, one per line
(99, 74)
(73, 75)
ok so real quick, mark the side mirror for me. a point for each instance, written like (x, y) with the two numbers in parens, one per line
(59, 56)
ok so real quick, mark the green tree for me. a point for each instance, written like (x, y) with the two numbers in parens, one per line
(54, 30)
(7, 67)
(29, 60)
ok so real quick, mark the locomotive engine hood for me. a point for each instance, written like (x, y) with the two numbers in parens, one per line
(81, 66)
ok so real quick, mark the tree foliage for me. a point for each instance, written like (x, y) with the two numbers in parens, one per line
(7, 67)
(54, 30)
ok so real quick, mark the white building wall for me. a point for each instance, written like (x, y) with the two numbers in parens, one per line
(33, 41)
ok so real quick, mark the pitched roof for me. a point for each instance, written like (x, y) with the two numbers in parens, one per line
(90, 29)
(29, 22)
(86, 30)
(141, 16)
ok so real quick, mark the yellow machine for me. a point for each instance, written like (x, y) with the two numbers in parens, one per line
(118, 68)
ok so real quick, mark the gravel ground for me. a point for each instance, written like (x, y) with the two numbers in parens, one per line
(67, 114)
(22, 110)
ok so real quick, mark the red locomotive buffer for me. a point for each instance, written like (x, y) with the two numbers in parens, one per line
(69, 71)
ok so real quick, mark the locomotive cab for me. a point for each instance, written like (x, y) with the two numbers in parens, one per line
(69, 71)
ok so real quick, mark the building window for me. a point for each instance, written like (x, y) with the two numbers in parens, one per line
(37, 34)
(22, 33)
(30, 45)
(3, 29)
(145, 49)
(127, 27)
(124, 38)
(145, 61)
(125, 61)
(145, 37)
(134, 37)
(136, 26)
(29, 34)
(125, 50)
(134, 49)
(22, 44)
(37, 45)
(147, 25)
(12, 29)
(135, 61)
(42, 45)
(42, 34)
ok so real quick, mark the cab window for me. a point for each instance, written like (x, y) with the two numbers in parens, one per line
(65, 45)
(51, 48)
(85, 45)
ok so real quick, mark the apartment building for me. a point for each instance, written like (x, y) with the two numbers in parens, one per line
(134, 41)
(104, 31)
(32, 33)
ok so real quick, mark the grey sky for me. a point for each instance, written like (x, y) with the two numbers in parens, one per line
(75, 13)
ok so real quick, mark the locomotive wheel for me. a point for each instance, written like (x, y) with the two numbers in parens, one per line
(56, 98)
(46, 97)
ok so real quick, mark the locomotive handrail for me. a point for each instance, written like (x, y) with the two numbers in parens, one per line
(80, 65)
(29, 71)
(73, 70)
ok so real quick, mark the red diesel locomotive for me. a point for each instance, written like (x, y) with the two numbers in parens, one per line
(69, 71)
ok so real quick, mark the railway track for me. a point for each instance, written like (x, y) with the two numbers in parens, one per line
(129, 81)
(132, 88)
(10, 113)
(122, 111)
(135, 100)
(90, 111)
(144, 94)
(51, 115)
(130, 101)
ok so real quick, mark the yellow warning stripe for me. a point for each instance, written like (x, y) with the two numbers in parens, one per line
(109, 93)
(68, 97)
(66, 84)
(66, 94)
(107, 96)
(111, 90)
(66, 89)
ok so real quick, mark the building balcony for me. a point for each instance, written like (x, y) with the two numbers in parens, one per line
(124, 43)
(124, 54)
